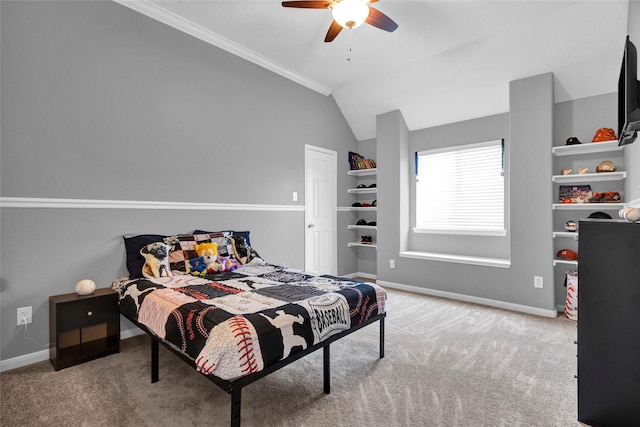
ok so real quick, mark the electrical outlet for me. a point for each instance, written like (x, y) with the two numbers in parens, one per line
(537, 282)
(24, 316)
(392, 263)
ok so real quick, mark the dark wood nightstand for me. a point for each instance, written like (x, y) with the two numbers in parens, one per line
(83, 327)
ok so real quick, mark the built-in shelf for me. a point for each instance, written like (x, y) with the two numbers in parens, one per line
(586, 148)
(589, 177)
(362, 190)
(565, 262)
(359, 191)
(587, 154)
(364, 208)
(362, 172)
(587, 206)
(364, 245)
(573, 234)
(362, 227)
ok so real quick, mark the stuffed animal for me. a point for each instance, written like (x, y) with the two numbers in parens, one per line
(156, 260)
(196, 266)
(244, 253)
(209, 253)
(223, 264)
(207, 250)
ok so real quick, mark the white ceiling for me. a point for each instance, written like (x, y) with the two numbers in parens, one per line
(448, 60)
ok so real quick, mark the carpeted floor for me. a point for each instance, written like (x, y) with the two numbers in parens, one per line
(447, 363)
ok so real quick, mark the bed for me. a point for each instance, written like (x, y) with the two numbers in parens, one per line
(237, 324)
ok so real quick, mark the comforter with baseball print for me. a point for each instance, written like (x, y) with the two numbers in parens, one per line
(239, 322)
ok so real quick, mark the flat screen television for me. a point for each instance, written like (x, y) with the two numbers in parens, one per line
(628, 96)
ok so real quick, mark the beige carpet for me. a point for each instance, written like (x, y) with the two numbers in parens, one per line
(447, 364)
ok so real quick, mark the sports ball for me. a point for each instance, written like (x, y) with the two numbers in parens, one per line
(85, 287)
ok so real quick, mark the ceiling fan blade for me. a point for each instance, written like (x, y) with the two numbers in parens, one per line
(380, 20)
(309, 4)
(334, 30)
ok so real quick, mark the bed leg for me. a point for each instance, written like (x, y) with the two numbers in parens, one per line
(235, 406)
(327, 369)
(154, 360)
(381, 337)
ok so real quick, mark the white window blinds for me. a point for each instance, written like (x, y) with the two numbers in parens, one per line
(460, 190)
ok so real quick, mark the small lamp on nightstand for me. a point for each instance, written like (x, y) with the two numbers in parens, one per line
(85, 287)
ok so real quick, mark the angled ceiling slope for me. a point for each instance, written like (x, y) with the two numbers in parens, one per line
(446, 62)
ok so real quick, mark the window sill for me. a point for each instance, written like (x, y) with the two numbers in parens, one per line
(460, 259)
(499, 233)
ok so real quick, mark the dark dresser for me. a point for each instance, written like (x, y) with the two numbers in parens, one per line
(609, 323)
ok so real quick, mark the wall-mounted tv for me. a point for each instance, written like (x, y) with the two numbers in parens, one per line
(628, 96)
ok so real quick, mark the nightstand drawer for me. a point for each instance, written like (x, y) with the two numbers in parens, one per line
(87, 312)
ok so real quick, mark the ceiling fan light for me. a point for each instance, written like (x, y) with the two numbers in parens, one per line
(350, 13)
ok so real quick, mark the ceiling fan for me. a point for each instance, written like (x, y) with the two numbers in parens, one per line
(347, 14)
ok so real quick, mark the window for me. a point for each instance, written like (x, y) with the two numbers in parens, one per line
(460, 190)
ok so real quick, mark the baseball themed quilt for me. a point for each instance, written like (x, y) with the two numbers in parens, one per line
(240, 321)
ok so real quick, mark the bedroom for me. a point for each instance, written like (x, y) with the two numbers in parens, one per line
(93, 109)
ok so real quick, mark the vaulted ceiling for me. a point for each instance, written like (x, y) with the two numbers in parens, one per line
(448, 60)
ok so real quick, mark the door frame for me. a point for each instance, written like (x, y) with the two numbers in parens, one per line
(334, 217)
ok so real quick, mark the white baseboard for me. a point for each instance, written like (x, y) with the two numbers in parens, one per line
(42, 355)
(24, 360)
(359, 274)
(468, 298)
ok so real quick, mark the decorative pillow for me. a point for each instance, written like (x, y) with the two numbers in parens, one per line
(156, 260)
(133, 244)
(183, 247)
(244, 234)
(244, 253)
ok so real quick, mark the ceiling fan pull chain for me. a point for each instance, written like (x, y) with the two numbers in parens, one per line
(349, 45)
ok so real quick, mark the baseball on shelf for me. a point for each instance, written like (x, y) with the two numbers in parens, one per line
(85, 287)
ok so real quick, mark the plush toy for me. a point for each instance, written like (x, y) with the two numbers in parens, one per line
(209, 253)
(196, 266)
(630, 214)
(223, 264)
(156, 260)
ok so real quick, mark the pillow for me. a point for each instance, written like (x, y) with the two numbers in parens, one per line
(132, 245)
(183, 247)
(244, 234)
(156, 260)
(244, 253)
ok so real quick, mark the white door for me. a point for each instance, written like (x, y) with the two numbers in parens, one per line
(320, 210)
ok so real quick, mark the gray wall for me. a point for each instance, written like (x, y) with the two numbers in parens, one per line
(100, 102)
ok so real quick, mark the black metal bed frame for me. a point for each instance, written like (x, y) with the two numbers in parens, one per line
(234, 387)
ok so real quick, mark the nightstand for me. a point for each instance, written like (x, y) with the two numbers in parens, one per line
(83, 327)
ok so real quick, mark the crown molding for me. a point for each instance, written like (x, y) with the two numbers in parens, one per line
(160, 14)
(34, 202)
